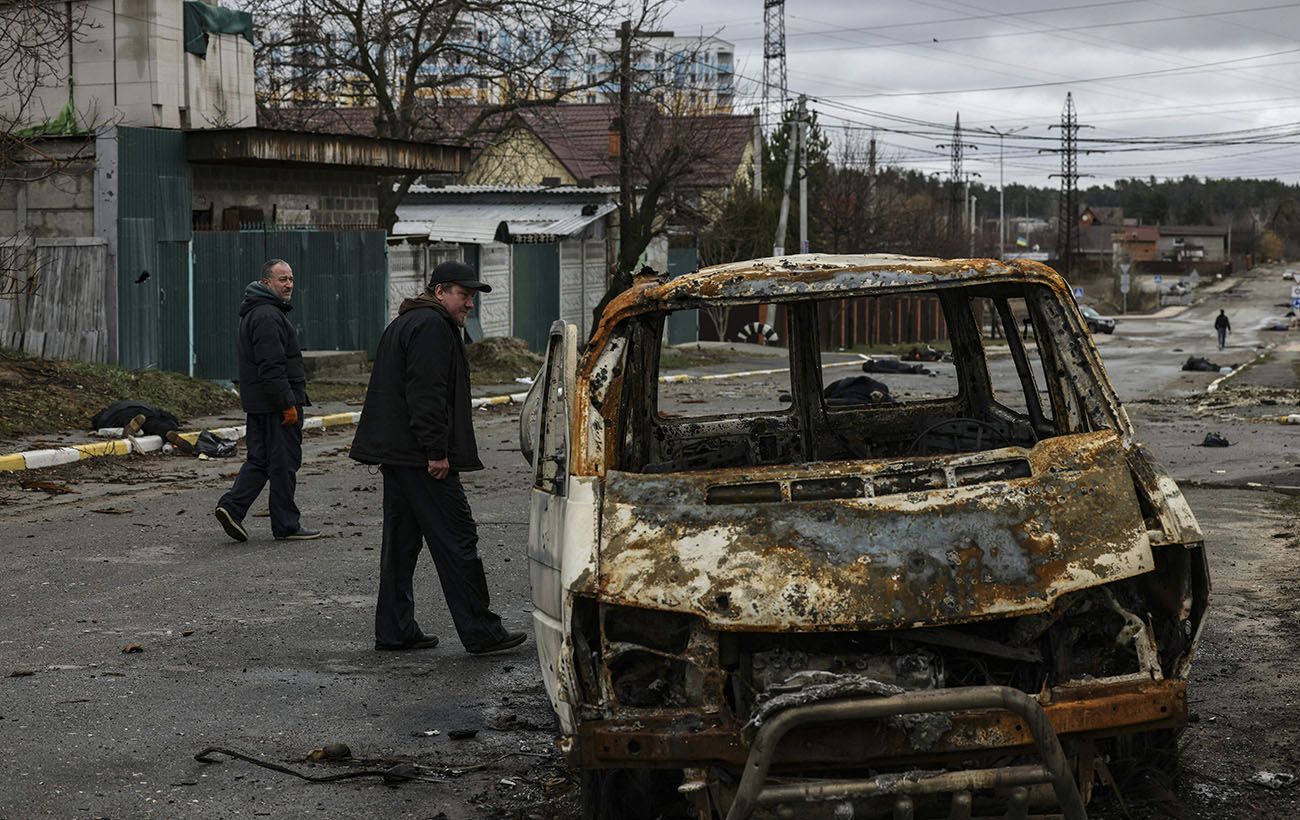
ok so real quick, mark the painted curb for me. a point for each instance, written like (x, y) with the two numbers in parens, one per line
(1214, 385)
(119, 446)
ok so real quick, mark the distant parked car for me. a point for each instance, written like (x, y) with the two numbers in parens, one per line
(1096, 322)
(1289, 274)
(1179, 288)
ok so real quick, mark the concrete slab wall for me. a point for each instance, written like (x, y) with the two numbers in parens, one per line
(51, 192)
(292, 196)
(494, 270)
(127, 65)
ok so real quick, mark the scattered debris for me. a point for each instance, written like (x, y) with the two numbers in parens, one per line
(426, 733)
(1273, 780)
(22, 673)
(47, 487)
(462, 734)
(132, 648)
(1215, 440)
(330, 751)
(114, 511)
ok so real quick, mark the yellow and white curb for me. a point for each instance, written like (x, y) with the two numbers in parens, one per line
(121, 446)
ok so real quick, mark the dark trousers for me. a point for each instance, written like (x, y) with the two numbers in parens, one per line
(419, 507)
(274, 455)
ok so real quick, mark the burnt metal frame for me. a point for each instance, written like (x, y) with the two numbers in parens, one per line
(1055, 769)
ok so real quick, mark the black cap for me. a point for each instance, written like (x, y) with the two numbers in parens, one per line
(458, 273)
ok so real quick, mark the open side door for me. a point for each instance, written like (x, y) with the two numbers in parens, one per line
(551, 414)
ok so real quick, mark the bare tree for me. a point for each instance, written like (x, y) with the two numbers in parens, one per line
(36, 38)
(414, 64)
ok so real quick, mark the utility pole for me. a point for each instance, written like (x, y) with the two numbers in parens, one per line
(622, 126)
(778, 245)
(758, 153)
(625, 192)
(803, 177)
(1002, 187)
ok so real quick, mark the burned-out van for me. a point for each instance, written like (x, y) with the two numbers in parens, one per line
(966, 593)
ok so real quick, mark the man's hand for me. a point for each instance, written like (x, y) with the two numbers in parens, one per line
(288, 416)
(439, 469)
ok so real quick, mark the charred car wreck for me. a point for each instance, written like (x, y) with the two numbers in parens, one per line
(966, 602)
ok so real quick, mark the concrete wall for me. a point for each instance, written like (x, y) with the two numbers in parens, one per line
(582, 280)
(128, 66)
(494, 269)
(51, 196)
(296, 196)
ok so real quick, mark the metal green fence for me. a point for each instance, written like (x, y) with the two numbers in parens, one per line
(340, 288)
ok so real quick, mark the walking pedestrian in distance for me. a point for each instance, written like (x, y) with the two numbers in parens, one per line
(1222, 327)
(418, 425)
(273, 391)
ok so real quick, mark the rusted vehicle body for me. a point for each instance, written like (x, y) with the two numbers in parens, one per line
(965, 598)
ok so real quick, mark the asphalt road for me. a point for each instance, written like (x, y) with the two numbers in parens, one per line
(266, 647)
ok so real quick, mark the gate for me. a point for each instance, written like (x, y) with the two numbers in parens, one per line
(683, 325)
(535, 292)
(339, 298)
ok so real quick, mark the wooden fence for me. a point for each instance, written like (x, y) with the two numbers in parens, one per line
(52, 298)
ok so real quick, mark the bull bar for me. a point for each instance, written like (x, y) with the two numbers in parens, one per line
(1055, 770)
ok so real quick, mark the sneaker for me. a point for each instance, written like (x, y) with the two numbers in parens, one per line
(133, 426)
(301, 534)
(418, 642)
(507, 641)
(232, 527)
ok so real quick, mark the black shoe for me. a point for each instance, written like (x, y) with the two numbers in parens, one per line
(418, 642)
(232, 527)
(507, 641)
(302, 534)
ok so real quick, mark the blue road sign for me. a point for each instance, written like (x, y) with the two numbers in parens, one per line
(1295, 304)
(1078, 293)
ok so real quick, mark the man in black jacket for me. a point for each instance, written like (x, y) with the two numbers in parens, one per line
(418, 424)
(273, 391)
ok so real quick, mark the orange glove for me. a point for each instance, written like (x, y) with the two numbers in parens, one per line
(289, 416)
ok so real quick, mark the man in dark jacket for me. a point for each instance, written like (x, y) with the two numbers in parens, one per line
(1222, 327)
(418, 424)
(273, 391)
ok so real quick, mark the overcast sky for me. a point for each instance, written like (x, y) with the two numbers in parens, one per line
(1160, 69)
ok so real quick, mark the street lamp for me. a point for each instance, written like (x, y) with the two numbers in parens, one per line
(1002, 209)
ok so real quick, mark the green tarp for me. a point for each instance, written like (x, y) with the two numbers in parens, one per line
(202, 20)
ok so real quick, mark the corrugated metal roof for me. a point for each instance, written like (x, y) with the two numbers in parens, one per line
(481, 223)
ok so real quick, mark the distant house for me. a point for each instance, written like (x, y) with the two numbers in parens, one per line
(1100, 215)
(1193, 243)
(1138, 243)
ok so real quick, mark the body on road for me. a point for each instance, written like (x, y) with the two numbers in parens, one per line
(272, 391)
(418, 425)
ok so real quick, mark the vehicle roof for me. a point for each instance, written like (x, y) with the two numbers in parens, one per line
(783, 278)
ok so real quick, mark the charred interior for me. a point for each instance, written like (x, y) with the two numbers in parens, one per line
(821, 418)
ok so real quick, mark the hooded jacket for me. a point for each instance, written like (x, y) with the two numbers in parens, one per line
(418, 402)
(271, 375)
